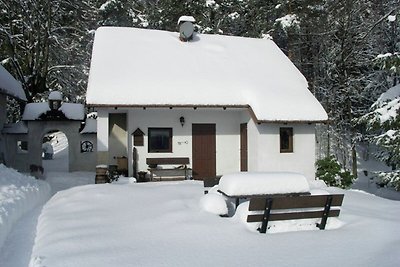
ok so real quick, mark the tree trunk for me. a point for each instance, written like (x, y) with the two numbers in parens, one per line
(354, 160)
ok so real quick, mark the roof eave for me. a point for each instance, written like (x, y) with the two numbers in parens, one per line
(4, 92)
(252, 114)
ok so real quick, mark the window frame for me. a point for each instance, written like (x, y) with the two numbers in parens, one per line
(153, 150)
(21, 145)
(290, 134)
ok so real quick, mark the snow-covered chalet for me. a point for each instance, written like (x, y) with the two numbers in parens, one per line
(226, 103)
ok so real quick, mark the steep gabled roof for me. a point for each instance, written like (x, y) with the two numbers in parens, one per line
(10, 86)
(140, 67)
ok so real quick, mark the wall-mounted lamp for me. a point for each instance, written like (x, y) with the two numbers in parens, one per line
(182, 120)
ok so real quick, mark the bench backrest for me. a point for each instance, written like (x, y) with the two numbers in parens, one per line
(167, 161)
(290, 207)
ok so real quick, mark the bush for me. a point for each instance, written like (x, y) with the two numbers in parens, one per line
(329, 170)
(390, 179)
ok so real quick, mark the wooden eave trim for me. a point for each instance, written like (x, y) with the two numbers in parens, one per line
(252, 114)
(293, 122)
(165, 106)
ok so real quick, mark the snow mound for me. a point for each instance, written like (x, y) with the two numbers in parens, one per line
(18, 194)
(214, 203)
(125, 180)
(263, 183)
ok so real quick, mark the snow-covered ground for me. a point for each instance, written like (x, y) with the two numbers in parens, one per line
(18, 194)
(60, 160)
(174, 224)
(163, 224)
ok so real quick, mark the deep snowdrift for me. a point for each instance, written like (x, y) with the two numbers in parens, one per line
(162, 224)
(18, 194)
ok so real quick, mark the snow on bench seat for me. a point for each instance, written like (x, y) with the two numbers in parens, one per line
(263, 183)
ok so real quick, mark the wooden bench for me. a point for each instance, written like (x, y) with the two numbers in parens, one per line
(181, 172)
(210, 182)
(246, 197)
(294, 207)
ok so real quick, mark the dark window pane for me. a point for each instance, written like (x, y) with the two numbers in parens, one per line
(286, 140)
(160, 139)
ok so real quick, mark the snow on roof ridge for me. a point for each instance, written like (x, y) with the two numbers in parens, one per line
(186, 18)
(72, 111)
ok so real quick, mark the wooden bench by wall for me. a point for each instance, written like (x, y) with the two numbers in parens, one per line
(179, 172)
(323, 206)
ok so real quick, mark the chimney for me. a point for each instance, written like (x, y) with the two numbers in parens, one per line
(186, 28)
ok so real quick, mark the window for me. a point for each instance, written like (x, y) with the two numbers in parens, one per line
(286, 139)
(160, 140)
(22, 147)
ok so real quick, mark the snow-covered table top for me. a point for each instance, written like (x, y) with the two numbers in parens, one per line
(263, 183)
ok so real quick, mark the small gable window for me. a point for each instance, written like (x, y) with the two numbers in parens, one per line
(286, 139)
(160, 140)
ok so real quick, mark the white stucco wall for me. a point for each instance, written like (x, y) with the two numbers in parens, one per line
(263, 139)
(227, 134)
(264, 149)
(102, 130)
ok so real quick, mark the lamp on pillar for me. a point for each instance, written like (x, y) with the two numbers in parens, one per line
(55, 99)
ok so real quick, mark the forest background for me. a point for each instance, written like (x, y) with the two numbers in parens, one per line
(348, 50)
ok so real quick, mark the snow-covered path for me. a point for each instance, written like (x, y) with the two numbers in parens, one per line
(17, 248)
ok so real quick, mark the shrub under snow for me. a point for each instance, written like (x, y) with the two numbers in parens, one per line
(18, 194)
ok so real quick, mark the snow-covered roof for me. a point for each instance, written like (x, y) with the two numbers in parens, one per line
(10, 86)
(15, 128)
(90, 126)
(140, 67)
(71, 111)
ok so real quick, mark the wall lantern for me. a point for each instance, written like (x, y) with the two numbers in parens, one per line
(182, 121)
(55, 99)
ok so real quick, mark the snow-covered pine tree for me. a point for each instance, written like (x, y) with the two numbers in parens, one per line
(47, 44)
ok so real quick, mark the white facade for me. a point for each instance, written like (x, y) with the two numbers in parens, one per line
(263, 139)
(264, 149)
(231, 81)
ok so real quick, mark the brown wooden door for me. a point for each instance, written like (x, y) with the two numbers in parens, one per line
(204, 157)
(243, 147)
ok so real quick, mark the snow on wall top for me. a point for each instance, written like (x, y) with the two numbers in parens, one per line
(71, 111)
(10, 86)
(133, 66)
(55, 95)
